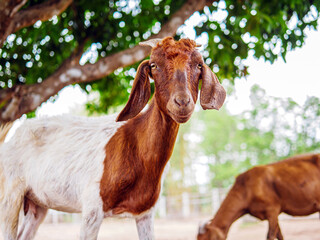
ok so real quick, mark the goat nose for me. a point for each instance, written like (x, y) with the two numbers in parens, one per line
(182, 101)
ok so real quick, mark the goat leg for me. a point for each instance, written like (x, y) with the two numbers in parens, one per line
(145, 226)
(34, 215)
(279, 234)
(9, 215)
(91, 222)
(274, 229)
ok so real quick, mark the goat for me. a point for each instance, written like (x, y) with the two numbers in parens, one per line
(106, 166)
(291, 186)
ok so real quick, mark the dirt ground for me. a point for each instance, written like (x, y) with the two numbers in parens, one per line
(125, 229)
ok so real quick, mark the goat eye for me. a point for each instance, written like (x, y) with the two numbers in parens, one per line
(199, 66)
(153, 66)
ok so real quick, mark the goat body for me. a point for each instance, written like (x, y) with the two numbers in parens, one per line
(106, 166)
(290, 186)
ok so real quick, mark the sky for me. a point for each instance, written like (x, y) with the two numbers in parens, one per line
(68, 99)
(297, 78)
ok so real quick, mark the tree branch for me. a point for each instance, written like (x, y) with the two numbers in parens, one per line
(7, 10)
(15, 20)
(26, 98)
(42, 12)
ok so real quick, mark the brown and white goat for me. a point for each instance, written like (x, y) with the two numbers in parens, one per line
(107, 166)
(290, 186)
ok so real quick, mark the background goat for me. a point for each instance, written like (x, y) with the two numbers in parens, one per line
(105, 166)
(291, 186)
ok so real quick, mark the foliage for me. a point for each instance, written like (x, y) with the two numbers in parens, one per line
(265, 29)
(34, 53)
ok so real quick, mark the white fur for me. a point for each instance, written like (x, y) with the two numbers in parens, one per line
(58, 160)
(145, 226)
(63, 157)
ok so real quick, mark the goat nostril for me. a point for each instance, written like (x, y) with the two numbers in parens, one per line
(182, 101)
(177, 101)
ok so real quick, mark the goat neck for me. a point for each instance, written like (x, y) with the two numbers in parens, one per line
(232, 208)
(156, 133)
(137, 155)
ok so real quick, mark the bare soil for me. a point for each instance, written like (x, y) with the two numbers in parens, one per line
(175, 229)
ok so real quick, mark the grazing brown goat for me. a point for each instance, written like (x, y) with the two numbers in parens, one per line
(107, 166)
(290, 186)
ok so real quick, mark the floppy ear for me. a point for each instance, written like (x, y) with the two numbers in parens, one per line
(212, 93)
(139, 95)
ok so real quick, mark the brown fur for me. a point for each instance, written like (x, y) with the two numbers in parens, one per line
(138, 152)
(134, 180)
(291, 186)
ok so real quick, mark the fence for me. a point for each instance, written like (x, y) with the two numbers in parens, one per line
(191, 204)
(180, 206)
(185, 205)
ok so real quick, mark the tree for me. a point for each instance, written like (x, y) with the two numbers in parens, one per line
(274, 129)
(45, 44)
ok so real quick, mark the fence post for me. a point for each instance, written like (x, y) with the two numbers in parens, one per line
(162, 209)
(215, 200)
(185, 204)
(54, 216)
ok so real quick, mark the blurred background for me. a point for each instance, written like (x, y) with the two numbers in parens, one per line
(80, 58)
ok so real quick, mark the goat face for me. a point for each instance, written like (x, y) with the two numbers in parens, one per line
(176, 68)
(210, 232)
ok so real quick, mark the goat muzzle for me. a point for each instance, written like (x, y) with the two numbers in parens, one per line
(180, 107)
(181, 100)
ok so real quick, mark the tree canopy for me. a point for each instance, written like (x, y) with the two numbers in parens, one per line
(47, 45)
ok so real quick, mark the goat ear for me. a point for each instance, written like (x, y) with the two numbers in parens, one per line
(139, 95)
(212, 93)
